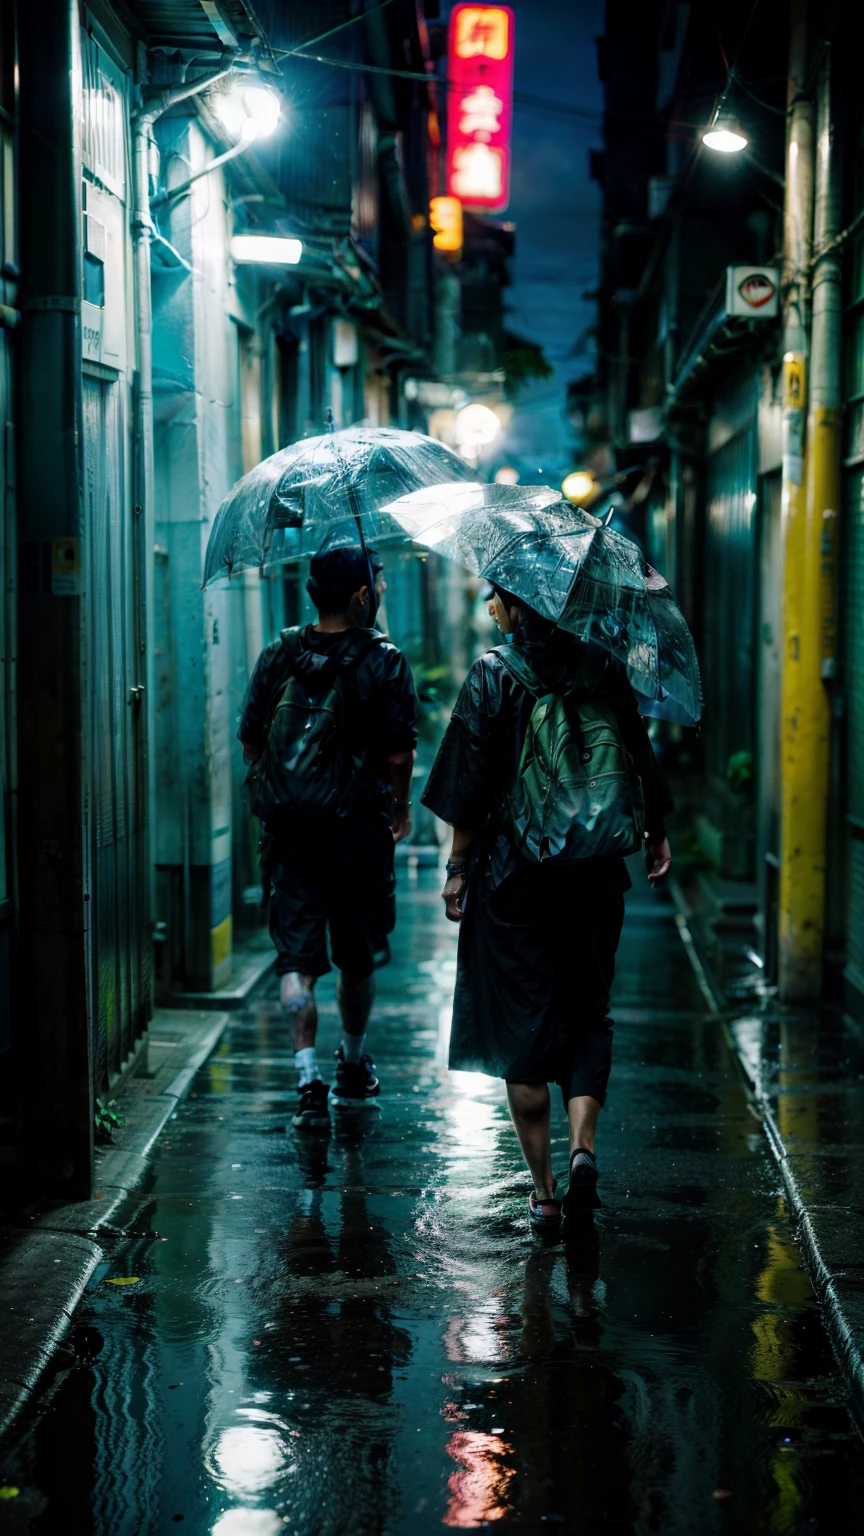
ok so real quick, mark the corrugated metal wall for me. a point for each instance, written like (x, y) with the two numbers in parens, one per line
(117, 876)
(730, 562)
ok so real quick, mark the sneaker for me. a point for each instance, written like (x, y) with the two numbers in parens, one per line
(582, 1194)
(356, 1082)
(312, 1112)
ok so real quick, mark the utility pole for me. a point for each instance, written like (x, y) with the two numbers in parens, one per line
(803, 784)
(810, 527)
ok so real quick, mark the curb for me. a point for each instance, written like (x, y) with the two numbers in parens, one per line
(846, 1346)
(48, 1266)
(43, 1280)
(257, 970)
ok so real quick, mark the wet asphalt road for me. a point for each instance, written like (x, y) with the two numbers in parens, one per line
(360, 1334)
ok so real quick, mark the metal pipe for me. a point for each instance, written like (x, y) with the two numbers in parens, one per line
(826, 372)
(212, 165)
(802, 797)
(142, 236)
(53, 1038)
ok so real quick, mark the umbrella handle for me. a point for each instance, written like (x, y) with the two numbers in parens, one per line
(356, 514)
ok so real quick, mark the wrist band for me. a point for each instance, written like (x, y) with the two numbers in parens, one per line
(455, 869)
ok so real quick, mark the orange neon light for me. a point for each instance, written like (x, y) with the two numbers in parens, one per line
(445, 216)
(482, 30)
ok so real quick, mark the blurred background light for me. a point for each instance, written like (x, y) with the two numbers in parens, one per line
(271, 250)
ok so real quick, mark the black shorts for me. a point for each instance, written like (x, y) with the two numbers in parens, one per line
(340, 877)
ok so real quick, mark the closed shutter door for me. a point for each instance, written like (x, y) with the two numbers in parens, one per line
(730, 564)
(117, 872)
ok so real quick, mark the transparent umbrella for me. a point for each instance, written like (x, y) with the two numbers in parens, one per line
(288, 504)
(571, 569)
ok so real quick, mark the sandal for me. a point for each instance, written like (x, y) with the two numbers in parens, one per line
(544, 1213)
(582, 1193)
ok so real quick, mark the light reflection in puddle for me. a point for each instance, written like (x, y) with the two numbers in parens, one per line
(250, 1457)
(476, 1338)
(478, 1489)
(248, 1522)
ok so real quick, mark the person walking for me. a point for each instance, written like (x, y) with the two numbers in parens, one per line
(548, 778)
(329, 726)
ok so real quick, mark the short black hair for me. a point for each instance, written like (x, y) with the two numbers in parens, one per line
(510, 600)
(337, 574)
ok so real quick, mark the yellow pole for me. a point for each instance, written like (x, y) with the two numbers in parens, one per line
(802, 806)
(811, 555)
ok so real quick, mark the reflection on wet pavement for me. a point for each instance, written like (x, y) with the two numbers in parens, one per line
(358, 1333)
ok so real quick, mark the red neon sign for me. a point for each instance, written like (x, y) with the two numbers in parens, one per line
(480, 106)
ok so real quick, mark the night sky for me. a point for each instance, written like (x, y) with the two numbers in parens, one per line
(555, 208)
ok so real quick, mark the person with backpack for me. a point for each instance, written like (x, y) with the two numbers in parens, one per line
(548, 778)
(329, 726)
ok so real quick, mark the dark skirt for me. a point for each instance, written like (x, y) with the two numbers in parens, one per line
(535, 969)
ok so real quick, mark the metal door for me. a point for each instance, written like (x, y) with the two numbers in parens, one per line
(118, 951)
(729, 562)
(768, 714)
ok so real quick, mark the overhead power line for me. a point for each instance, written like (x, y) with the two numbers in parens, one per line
(522, 98)
(321, 37)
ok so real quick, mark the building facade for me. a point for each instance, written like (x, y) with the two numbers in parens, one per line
(719, 360)
(142, 372)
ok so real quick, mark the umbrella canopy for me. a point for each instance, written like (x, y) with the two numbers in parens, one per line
(571, 569)
(288, 503)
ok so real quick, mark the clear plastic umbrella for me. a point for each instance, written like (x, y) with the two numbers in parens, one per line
(288, 504)
(571, 569)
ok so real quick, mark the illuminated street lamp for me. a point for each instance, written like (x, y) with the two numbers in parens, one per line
(725, 134)
(247, 112)
(476, 426)
(579, 486)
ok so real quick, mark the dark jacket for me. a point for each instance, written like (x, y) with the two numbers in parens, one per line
(383, 722)
(479, 757)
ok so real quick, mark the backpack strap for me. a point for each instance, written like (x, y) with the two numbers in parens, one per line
(352, 662)
(525, 674)
(519, 668)
(292, 639)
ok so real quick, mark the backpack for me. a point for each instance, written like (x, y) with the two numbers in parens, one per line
(307, 764)
(576, 794)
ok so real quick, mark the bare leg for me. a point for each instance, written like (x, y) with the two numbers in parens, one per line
(582, 1114)
(355, 996)
(530, 1110)
(297, 997)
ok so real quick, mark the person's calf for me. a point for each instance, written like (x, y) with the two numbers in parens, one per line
(355, 996)
(530, 1110)
(583, 1112)
(529, 1102)
(298, 1003)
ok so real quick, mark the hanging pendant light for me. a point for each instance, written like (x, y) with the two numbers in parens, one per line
(725, 134)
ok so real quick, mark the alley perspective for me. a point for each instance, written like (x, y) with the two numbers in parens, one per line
(432, 767)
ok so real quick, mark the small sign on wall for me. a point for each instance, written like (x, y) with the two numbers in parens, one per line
(753, 292)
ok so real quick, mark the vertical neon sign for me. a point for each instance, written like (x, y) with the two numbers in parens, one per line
(480, 106)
